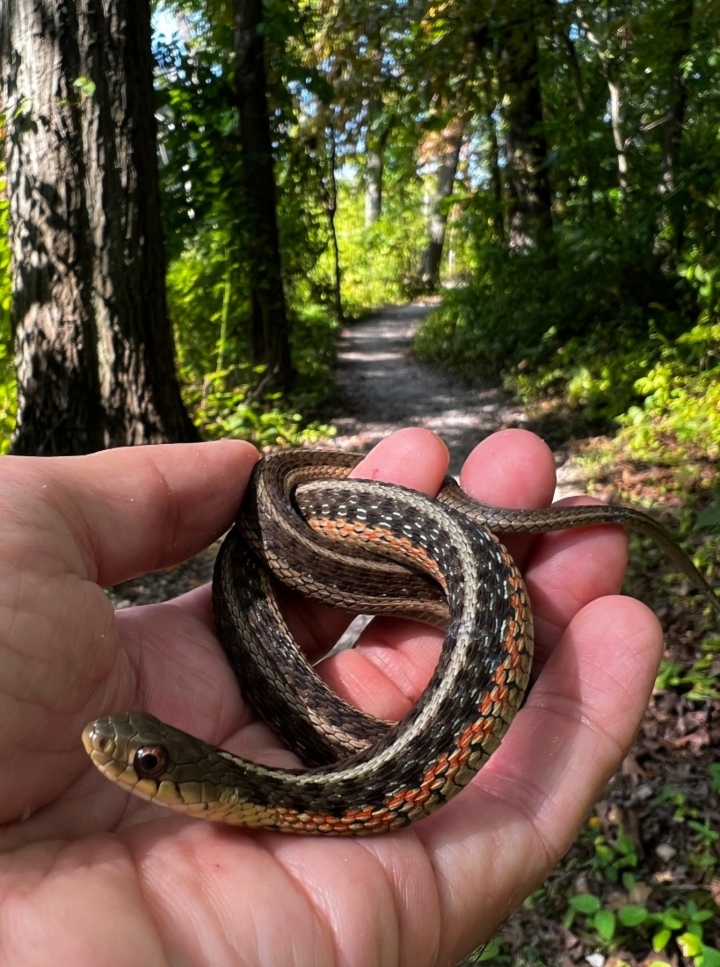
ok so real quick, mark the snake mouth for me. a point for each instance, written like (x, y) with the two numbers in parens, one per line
(100, 741)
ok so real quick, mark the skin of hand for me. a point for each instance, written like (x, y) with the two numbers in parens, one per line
(101, 878)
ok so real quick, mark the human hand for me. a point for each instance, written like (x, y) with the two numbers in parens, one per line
(98, 877)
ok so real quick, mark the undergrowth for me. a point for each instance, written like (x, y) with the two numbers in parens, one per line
(641, 354)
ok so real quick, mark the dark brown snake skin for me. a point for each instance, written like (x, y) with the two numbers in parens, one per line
(373, 548)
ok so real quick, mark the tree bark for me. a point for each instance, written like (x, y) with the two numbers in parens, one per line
(271, 337)
(373, 185)
(94, 348)
(574, 63)
(449, 157)
(682, 37)
(375, 160)
(494, 170)
(59, 407)
(526, 151)
(137, 352)
(331, 206)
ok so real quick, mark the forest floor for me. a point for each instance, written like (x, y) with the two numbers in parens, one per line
(650, 851)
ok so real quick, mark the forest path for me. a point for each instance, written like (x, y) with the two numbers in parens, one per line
(384, 387)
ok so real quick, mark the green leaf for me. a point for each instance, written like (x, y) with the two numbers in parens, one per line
(661, 939)
(709, 518)
(632, 914)
(585, 903)
(85, 86)
(671, 920)
(690, 945)
(709, 957)
(604, 923)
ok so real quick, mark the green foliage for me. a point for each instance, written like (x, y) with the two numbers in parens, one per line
(617, 311)
(682, 390)
(704, 838)
(223, 414)
(207, 301)
(696, 681)
(598, 895)
(210, 235)
(524, 313)
(612, 923)
(596, 336)
(377, 260)
(612, 926)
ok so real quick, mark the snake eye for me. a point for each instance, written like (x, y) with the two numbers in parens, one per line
(150, 761)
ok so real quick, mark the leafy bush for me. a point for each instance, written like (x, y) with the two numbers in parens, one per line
(209, 305)
(595, 325)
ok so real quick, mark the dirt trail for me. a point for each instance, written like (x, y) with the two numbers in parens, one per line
(385, 387)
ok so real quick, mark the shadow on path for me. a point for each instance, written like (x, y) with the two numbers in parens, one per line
(385, 387)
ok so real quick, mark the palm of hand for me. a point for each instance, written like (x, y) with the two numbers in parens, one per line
(103, 878)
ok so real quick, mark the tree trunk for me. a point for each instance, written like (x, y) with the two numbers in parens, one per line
(94, 346)
(584, 134)
(331, 206)
(137, 352)
(682, 37)
(59, 408)
(449, 157)
(609, 69)
(493, 165)
(526, 151)
(373, 186)
(271, 341)
(375, 159)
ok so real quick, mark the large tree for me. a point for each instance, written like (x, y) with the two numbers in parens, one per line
(515, 29)
(271, 342)
(94, 347)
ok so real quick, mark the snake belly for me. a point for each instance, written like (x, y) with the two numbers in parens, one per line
(369, 776)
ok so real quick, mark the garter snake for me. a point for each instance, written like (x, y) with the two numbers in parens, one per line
(370, 547)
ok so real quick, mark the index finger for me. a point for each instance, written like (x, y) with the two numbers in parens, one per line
(123, 512)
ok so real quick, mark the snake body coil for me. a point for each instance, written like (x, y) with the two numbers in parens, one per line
(374, 548)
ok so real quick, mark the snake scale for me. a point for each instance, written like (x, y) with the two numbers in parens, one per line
(369, 547)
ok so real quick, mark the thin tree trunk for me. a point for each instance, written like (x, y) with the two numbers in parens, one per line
(492, 160)
(493, 163)
(608, 67)
(331, 205)
(375, 161)
(373, 186)
(271, 342)
(449, 158)
(581, 102)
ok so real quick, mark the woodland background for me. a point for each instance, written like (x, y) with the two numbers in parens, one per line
(554, 165)
(198, 195)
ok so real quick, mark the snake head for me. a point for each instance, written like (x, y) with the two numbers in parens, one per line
(151, 759)
(171, 768)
